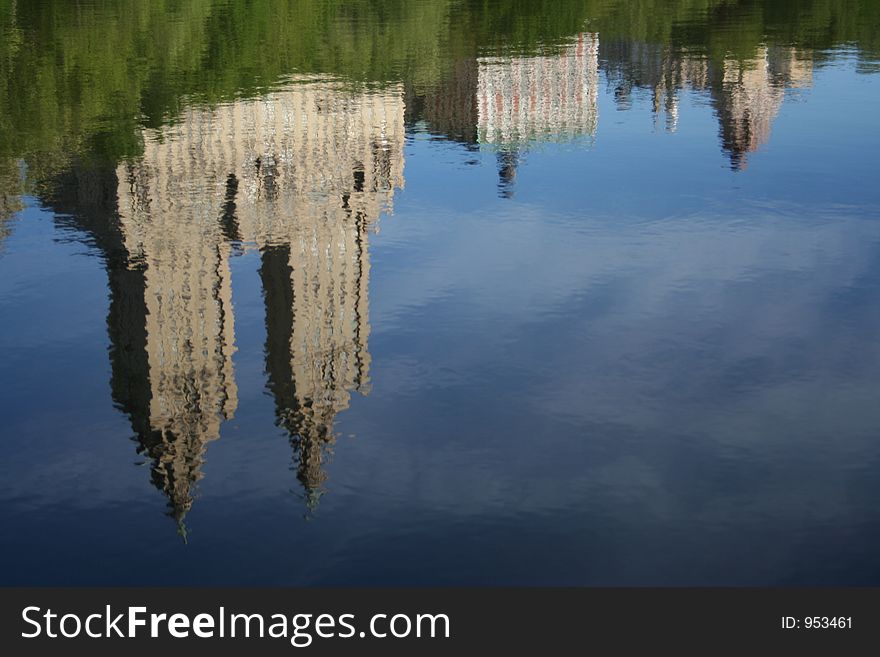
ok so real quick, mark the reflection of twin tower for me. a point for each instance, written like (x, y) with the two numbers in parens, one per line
(299, 174)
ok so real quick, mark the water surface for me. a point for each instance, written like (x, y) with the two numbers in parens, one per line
(440, 292)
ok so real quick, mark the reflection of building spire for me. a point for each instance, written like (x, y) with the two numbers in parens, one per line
(302, 173)
(316, 331)
(183, 315)
(747, 94)
(665, 97)
(293, 409)
(521, 101)
(750, 96)
(544, 98)
(167, 388)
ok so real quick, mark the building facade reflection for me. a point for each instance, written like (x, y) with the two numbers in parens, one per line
(301, 177)
(525, 100)
(300, 174)
(747, 93)
(542, 98)
(509, 104)
(751, 94)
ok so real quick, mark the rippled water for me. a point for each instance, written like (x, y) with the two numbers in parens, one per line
(440, 292)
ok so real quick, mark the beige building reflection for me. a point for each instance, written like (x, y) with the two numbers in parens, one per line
(747, 93)
(544, 98)
(301, 175)
(510, 104)
(526, 100)
(751, 95)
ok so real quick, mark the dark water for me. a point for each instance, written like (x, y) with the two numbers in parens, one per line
(435, 292)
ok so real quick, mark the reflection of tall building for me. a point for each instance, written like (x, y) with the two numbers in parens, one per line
(522, 100)
(84, 197)
(177, 244)
(508, 104)
(747, 93)
(751, 94)
(546, 98)
(300, 174)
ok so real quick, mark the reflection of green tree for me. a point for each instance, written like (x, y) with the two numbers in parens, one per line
(83, 77)
(80, 77)
(10, 196)
(737, 27)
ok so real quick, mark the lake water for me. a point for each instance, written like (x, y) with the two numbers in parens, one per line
(572, 292)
